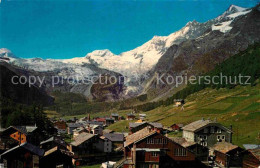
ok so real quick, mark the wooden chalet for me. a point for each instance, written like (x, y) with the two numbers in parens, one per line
(54, 142)
(148, 148)
(227, 155)
(251, 158)
(24, 155)
(115, 116)
(130, 116)
(137, 126)
(61, 126)
(201, 152)
(207, 132)
(56, 157)
(21, 134)
(176, 127)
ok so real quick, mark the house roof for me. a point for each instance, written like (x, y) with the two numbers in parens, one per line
(55, 149)
(55, 139)
(23, 129)
(139, 135)
(154, 124)
(74, 125)
(26, 146)
(81, 138)
(130, 114)
(224, 147)
(114, 114)
(255, 152)
(251, 146)
(179, 125)
(114, 137)
(197, 125)
(182, 141)
(107, 131)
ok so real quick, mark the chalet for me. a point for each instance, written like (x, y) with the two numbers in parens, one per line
(130, 116)
(148, 148)
(23, 155)
(142, 116)
(56, 157)
(109, 121)
(82, 144)
(73, 126)
(104, 145)
(102, 120)
(201, 152)
(22, 134)
(179, 102)
(78, 131)
(134, 127)
(176, 127)
(251, 158)
(117, 139)
(95, 129)
(61, 126)
(115, 116)
(54, 142)
(207, 133)
(227, 155)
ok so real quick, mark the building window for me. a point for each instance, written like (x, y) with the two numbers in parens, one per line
(180, 152)
(154, 154)
(219, 130)
(220, 138)
(204, 143)
(205, 130)
(164, 141)
(212, 130)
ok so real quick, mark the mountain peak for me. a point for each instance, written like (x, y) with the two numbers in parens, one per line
(235, 8)
(101, 53)
(4, 52)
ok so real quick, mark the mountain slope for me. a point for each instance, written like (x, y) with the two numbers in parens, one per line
(200, 55)
(20, 93)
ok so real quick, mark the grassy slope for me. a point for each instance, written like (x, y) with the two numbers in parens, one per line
(239, 106)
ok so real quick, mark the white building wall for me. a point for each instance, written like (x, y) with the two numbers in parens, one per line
(189, 136)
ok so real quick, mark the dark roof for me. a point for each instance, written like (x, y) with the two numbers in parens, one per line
(197, 125)
(179, 125)
(81, 138)
(55, 139)
(154, 124)
(114, 137)
(26, 146)
(95, 123)
(23, 129)
(255, 152)
(74, 125)
(251, 146)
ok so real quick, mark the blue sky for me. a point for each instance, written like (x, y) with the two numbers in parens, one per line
(73, 28)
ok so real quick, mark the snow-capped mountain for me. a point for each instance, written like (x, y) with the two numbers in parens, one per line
(132, 63)
(143, 58)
